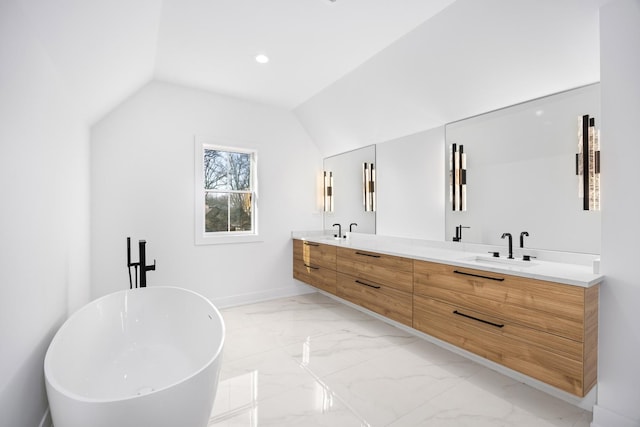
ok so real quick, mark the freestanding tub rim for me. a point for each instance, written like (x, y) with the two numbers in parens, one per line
(52, 379)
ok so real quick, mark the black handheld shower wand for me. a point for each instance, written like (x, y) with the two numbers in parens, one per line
(130, 264)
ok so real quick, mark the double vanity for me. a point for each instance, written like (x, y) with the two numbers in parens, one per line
(539, 318)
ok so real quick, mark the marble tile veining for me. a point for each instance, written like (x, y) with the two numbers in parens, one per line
(312, 361)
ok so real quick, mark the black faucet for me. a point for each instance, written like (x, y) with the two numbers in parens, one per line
(510, 244)
(352, 224)
(142, 264)
(458, 236)
(339, 230)
(524, 233)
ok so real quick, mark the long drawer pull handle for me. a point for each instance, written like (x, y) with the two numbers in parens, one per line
(499, 279)
(365, 254)
(497, 325)
(311, 244)
(311, 267)
(366, 284)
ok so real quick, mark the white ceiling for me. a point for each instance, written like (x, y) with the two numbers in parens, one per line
(310, 43)
(106, 49)
(473, 57)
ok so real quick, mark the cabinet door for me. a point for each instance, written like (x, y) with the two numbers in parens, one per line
(315, 254)
(547, 306)
(387, 301)
(310, 265)
(547, 357)
(392, 271)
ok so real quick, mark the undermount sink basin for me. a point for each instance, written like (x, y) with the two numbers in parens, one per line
(330, 238)
(501, 261)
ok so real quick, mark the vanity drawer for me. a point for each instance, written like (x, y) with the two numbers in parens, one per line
(392, 271)
(547, 357)
(387, 301)
(315, 254)
(320, 277)
(551, 307)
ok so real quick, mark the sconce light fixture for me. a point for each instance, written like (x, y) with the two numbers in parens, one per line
(458, 178)
(369, 187)
(588, 163)
(328, 191)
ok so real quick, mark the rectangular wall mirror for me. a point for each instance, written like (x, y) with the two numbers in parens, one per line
(521, 174)
(347, 191)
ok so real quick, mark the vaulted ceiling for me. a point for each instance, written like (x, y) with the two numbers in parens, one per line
(106, 49)
(354, 72)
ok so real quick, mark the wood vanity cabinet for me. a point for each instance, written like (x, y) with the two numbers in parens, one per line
(315, 264)
(546, 330)
(381, 283)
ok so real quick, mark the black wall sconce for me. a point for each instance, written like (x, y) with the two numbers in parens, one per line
(369, 187)
(588, 163)
(458, 178)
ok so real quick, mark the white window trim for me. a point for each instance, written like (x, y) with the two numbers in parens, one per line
(201, 237)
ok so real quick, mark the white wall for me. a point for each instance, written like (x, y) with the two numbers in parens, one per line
(411, 186)
(619, 346)
(44, 229)
(142, 170)
(474, 56)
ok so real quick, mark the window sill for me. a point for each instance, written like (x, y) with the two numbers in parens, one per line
(227, 239)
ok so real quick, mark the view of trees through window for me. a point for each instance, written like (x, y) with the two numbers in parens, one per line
(228, 191)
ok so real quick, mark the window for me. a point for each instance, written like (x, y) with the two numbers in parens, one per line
(226, 194)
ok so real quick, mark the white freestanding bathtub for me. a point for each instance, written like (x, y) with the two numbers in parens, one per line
(146, 357)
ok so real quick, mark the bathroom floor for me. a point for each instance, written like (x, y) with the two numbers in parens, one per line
(312, 361)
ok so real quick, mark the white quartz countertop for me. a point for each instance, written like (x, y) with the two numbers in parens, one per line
(448, 253)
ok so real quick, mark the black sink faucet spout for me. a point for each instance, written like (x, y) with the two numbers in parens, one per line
(339, 230)
(458, 236)
(351, 225)
(510, 243)
(524, 233)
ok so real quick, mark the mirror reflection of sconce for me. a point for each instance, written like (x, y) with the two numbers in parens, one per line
(458, 178)
(369, 187)
(588, 163)
(328, 191)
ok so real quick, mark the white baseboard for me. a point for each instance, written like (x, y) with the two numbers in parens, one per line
(603, 417)
(253, 297)
(46, 419)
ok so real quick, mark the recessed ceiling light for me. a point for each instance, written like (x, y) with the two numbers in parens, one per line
(262, 59)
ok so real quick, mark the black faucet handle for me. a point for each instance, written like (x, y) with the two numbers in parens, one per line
(495, 254)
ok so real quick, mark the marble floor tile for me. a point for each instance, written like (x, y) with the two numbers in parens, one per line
(313, 361)
(341, 349)
(492, 399)
(275, 372)
(387, 387)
